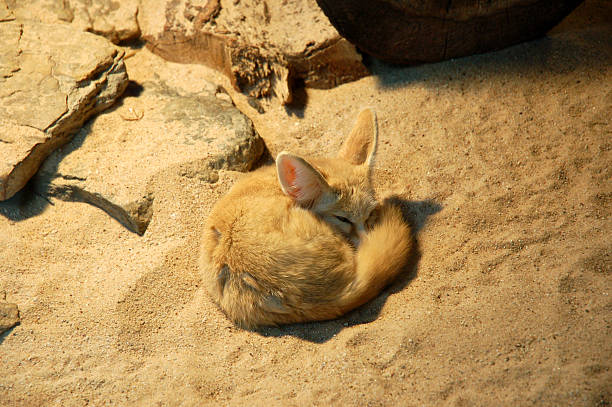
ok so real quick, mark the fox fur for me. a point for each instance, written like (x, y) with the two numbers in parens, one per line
(304, 240)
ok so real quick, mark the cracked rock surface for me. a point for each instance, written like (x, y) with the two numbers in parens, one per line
(115, 20)
(48, 88)
(261, 46)
(160, 125)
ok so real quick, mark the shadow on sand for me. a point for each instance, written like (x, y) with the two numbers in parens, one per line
(5, 334)
(579, 42)
(576, 43)
(32, 199)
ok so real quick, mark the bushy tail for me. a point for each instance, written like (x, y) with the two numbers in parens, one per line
(380, 257)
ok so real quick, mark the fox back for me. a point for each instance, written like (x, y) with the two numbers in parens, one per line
(304, 240)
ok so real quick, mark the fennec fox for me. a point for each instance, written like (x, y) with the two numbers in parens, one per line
(305, 240)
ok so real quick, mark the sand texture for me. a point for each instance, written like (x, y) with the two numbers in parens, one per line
(504, 163)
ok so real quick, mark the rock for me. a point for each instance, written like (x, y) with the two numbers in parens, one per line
(52, 79)
(115, 20)
(263, 47)
(113, 161)
(408, 31)
(9, 314)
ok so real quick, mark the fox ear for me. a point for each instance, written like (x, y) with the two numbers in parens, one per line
(360, 145)
(299, 180)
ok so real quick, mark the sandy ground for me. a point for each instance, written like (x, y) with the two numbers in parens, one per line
(505, 165)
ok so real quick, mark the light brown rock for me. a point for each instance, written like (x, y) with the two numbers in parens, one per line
(115, 20)
(112, 161)
(263, 47)
(48, 87)
(9, 314)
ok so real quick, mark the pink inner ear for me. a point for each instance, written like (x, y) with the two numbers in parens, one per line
(299, 180)
(289, 175)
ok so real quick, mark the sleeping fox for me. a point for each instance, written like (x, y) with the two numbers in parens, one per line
(304, 240)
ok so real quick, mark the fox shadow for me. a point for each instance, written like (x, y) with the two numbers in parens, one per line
(415, 213)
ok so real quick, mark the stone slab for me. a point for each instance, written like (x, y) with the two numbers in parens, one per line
(114, 20)
(159, 126)
(52, 79)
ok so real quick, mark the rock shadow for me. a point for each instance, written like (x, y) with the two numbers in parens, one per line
(574, 44)
(415, 214)
(33, 199)
(299, 101)
(6, 333)
(25, 204)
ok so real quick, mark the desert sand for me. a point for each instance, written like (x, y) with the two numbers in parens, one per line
(504, 164)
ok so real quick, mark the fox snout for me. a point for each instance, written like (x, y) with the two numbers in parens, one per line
(358, 234)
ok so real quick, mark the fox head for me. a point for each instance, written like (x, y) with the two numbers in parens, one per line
(342, 194)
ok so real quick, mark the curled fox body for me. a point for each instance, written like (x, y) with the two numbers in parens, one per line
(304, 240)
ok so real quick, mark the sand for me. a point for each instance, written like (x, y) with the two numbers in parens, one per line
(505, 166)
